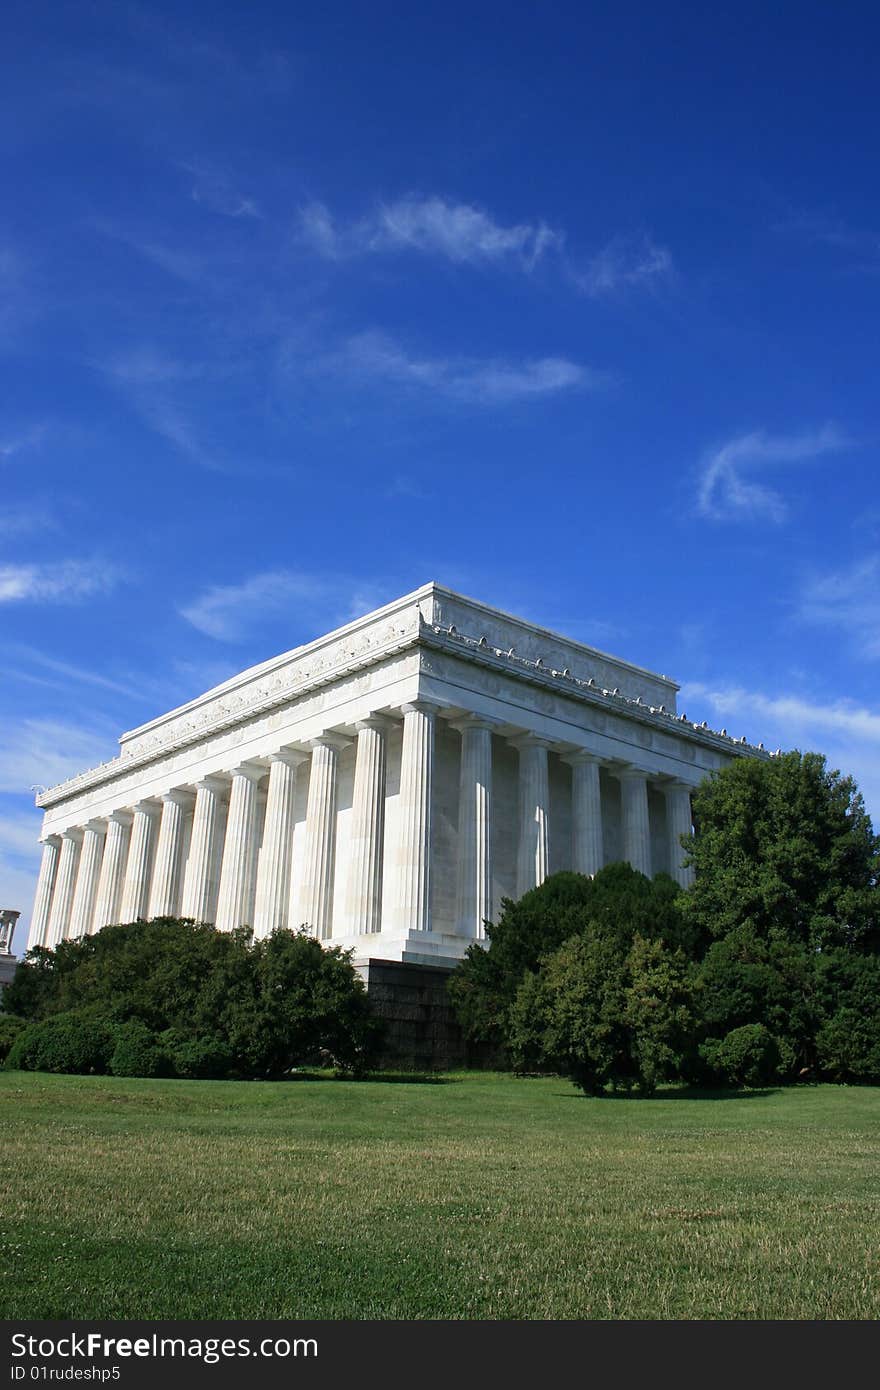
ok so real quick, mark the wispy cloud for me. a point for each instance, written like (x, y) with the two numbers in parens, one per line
(626, 263)
(848, 601)
(229, 612)
(43, 752)
(373, 356)
(65, 582)
(214, 190)
(466, 234)
(728, 490)
(16, 443)
(25, 656)
(457, 232)
(25, 518)
(860, 248)
(846, 732)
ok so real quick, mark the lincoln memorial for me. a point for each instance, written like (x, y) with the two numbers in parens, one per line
(386, 786)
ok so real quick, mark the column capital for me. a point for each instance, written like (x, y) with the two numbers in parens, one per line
(675, 784)
(290, 757)
(473, 721)
(582, 757)
(526, 740)
(252, 771)
(328, 740)
(379, 722)
(98, 824)
(53, 840)
(213, 783)
(75, 833)
(148, 808)
(178, 795)
(122, 817)
(420, 707)
(630, 773)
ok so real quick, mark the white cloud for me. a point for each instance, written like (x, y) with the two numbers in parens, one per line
(65, 582)
(625, 263)
(477, 381)
(457, 232)
(28, 439)
(229, 612)
(213, 190)
(846, 732)
(728, 492)
(25, 518)
(45, 752)
(848, 601)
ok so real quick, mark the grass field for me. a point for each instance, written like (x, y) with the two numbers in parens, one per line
(474, 1197)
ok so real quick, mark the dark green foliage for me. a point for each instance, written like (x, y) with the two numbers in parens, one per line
(619, 899)
(218, 1003)
(848, 998)
(604, 1013)
(10, 1027)
(750, 979)
(201, 1058)
(747, 1056)
(78, 1041)
(785, 847)
(136, 1051)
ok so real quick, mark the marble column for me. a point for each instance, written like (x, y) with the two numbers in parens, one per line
(82, 912)
(634, 816)
(316, 892)
(678, 824)
(45, 884)
(200, 880)
(474, 898)
(165, 888)
(273, 875)
(235, 900)
(112, 869)
(586, 814)
(141, 851)
(65, 886)
(363, 888)
(413, 851)
(533, 857)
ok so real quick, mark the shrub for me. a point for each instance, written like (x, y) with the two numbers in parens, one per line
(196, 1058)
(137, 1051)
(747, 1056)
(78, 1041)
(10, 1027)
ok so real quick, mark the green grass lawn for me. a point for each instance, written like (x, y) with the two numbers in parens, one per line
(480, 1196)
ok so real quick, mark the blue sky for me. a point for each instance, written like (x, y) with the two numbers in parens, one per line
(572, 307)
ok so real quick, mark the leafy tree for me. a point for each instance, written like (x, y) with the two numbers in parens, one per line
(603, 1011)
(747, 1056)
(785, 847)
(218, 1002)
(624, 902)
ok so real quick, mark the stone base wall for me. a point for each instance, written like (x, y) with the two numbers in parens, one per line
(421, 1033)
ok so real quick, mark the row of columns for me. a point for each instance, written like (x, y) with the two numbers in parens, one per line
(134, 864)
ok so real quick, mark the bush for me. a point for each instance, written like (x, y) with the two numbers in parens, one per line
(78, 1041)
(196, 1058)
(10, 1027)
(602, 1014)
(747, 1056)
(137, 1051)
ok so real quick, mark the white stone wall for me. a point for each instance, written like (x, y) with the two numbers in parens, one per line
(443, 664)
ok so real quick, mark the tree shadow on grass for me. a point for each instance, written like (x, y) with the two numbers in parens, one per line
(679, 1093)
(400, 1078)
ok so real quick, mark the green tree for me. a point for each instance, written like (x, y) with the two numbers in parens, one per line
(785, 847)
(624, 902)
(604, 1011)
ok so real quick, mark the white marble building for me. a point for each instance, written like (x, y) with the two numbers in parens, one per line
(387, 784)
